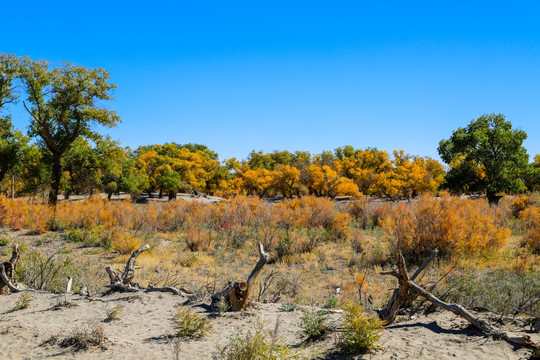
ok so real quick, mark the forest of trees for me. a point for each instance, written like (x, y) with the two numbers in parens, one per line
(62, 152)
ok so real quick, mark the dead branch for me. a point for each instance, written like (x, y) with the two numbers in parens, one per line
(237, 293)
(484, 326)
(389, 313)
(122, 282)
(170, 289)
(129, 272)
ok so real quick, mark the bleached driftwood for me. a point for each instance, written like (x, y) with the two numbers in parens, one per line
(407, 283)
(237, 293)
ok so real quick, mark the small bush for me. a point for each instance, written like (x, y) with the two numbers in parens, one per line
(313, 324)
(260, 345)
(530, 219)
(189, 325)
(83, 339)
(288, 307)
(4, 241)
(23, 302)
(126, 245)
(332, 302)
(360, 330)
(114, 313)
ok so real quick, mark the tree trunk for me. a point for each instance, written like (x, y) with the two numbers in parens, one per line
(493, 198)
(56, 176)
(12, 187)
(172, 195)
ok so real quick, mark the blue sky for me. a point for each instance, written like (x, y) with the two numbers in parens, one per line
(295, 75)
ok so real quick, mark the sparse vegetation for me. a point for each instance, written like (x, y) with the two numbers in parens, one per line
(360, 330)
(262, 344)
(114, 313)
(190, 325)
(23, 302)
(313, 324)
(92, 335)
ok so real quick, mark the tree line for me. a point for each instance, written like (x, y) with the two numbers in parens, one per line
(62, 152)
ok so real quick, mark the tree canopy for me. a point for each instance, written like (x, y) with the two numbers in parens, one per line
(487, 156)
(65, 103)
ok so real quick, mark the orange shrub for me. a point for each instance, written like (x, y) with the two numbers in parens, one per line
(530, 218)
(450, 224)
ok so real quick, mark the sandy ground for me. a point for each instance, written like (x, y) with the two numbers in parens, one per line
(144, 331)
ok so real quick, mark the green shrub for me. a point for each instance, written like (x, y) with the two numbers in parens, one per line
(360, 330)
(189, 325)
(4, 241)
(114, 313)
(503, 291)
(23, 302)
(261, 345)
(313, 324)
(332, 302)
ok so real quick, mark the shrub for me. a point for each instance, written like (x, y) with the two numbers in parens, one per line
(189, 325)
(114, 313)
(360, 330)
(450, 224)
(313, 324)
(4, 241)
(503, 291)
(530, 219)
(48, 272)
(260, 345)
(23, 302)
(85, 338)
(126, 244)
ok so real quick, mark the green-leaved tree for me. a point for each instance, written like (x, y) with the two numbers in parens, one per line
(487, 156)
(65, 103)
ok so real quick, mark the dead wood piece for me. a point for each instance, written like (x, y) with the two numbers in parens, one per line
(129, 272)
(122, 288)
(6, 272)
(389, 313)
(122, 282)
(69, 284)
(457, 309)
(237, 293)
(170, 289)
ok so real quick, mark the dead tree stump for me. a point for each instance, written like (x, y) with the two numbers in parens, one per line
(237, 293)
(122, 282)
(7, 269)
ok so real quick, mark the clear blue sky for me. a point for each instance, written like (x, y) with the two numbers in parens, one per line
(292, 75)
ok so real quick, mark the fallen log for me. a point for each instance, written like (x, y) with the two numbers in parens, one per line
(407, 283)
(237, 293)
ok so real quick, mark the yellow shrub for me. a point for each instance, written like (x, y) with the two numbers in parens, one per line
(450, 224)
(530, 218)
(126, 244)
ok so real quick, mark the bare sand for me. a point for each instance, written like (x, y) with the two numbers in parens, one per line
(144, 331)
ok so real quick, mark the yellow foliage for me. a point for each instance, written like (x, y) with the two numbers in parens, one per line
(530, 218)
(450, 224)
(126, 244)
